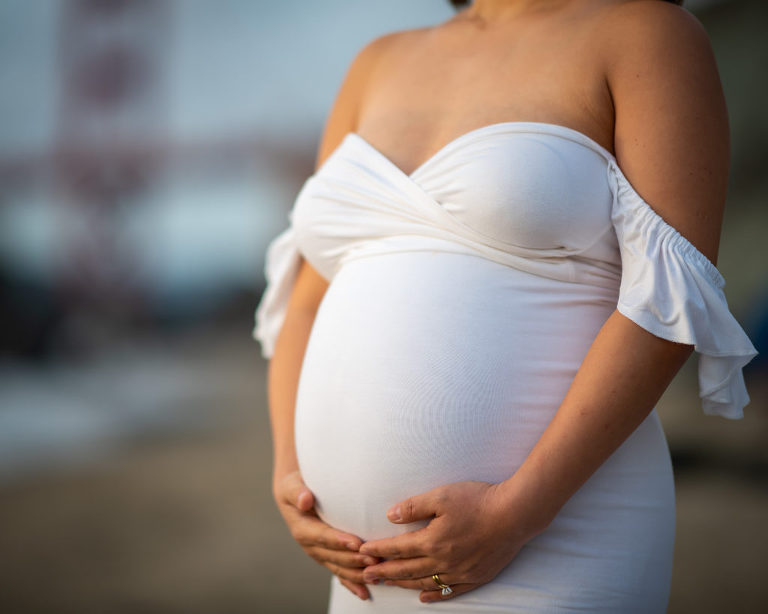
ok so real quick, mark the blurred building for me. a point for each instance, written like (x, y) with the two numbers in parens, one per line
(117, 206)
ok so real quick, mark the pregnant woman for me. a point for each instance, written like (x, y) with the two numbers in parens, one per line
(503, 257)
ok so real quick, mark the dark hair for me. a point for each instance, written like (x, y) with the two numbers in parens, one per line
(460, 3)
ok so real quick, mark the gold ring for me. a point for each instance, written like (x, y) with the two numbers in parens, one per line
(445, 589)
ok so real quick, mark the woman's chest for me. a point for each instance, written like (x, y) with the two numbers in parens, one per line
(428, 90)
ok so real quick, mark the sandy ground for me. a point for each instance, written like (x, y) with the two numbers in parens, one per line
(185, 522)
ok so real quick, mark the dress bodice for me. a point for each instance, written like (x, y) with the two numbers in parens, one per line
(541, 198)
(533, 196)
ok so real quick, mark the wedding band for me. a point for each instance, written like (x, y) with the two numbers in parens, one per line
(445, 589)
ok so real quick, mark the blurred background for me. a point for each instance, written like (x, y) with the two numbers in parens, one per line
(149, 150)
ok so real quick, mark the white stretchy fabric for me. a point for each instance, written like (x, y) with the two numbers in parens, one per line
(463, 297)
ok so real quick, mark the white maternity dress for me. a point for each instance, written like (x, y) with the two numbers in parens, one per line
(462, 300)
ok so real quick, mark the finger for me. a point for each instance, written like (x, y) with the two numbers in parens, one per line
(340, 557)
(424, 584)
(411, 584)
(405, 546)
(296, 492)
(310, 531)
(361, 590)
(456, 590)
(420, 507)
(346, 573)
(305, 500)
(405, 569)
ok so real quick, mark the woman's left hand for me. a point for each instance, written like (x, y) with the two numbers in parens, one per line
(474, 532)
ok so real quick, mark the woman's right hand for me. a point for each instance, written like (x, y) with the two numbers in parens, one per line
(336, 550)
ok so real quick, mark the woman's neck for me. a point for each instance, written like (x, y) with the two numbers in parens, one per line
(491, 11)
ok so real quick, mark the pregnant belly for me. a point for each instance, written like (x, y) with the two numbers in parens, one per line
(428, 368)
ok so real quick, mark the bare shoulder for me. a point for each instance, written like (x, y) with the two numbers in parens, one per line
(377, 48)
(361, 72)
(637, 27)
(671, 133)
(633, 14)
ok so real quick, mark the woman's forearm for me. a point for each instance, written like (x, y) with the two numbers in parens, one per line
(283, 379)
(285, 364)
(619, 382)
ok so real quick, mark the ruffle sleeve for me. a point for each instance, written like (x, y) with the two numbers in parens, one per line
(669, 288)
(281, 267)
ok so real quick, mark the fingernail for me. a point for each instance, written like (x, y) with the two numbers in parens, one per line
(394, 514)
(370, 579)
(369, 561)
(352, 546)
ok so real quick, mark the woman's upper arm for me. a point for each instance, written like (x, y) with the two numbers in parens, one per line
(671, 123)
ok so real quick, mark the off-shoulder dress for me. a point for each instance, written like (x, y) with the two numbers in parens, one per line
(463, 297)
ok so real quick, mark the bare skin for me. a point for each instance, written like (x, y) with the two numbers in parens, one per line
(638, 77)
